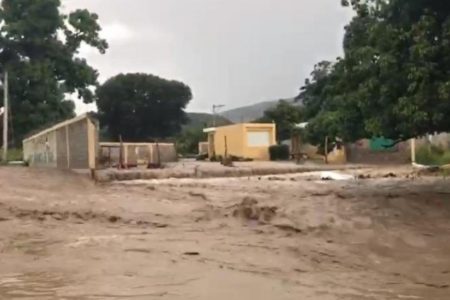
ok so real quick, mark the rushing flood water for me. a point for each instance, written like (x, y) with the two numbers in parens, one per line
(30, 286)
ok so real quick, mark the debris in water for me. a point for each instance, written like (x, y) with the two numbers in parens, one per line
(335, 176)
(249, 209)
(390, 175)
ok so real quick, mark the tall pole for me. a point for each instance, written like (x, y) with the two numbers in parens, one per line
(413, 150)
(214, 116)
(5, 116)
(215, 108)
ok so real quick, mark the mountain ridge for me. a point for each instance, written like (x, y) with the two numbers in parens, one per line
(252, 112)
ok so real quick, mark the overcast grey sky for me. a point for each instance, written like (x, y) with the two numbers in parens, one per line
(232, 52)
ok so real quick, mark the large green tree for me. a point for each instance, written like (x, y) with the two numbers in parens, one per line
(189, 139)
(39, 48)
(394, 78)
(142, 107)
(285, 116)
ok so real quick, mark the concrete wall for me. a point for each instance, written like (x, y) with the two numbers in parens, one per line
(360, 152)
(72, 144)
(137, 153)
(167, 152)
(78, 145)
(236, 137)
(62, 153)
(440, 139)
(42, 150)
(203, 148)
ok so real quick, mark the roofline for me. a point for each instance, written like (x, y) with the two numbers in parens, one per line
(208, 130)
(250, 125)
(259, 124)
(301, 125)
(117, 144)
(58, 126)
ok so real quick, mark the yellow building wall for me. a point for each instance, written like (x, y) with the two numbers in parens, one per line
(262, 152)
(93, 144)
(237, 141)
(234, 135)
(337, 156)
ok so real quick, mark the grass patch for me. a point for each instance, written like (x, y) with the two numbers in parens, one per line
(14, 154)
(433, 155)
(446, 173)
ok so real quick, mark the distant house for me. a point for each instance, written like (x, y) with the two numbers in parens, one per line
(246, 140)
(72, 144)
(75, 144)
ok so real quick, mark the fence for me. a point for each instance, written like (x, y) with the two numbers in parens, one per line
(136, 154)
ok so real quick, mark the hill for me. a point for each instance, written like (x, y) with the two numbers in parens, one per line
(201, 120)
(251, 112)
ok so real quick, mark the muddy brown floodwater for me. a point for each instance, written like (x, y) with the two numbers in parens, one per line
(273, 237)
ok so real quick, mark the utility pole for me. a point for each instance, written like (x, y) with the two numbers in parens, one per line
(5, 116)
(214, 110)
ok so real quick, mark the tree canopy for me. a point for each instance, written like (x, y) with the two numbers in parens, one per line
(394, 78)
(142, 107)
(189, 139)
(39, 48)
(285, 115)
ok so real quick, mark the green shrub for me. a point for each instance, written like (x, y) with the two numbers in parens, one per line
(202, 157)
(215, 158)
(240, 159)
(432, 155)
(13, 154)
(187, 142)
(279, 152)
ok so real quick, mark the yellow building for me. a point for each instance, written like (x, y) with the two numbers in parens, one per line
(248, 140)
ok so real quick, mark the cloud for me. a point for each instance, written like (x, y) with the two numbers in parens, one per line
(234, 52)
(117, 32)
(81, 107)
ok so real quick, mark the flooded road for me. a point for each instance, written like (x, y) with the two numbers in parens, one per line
(272, 237)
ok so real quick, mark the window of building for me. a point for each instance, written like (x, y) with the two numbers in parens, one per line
(258, 139)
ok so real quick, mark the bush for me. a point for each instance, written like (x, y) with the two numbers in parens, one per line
(202, 157)
(279, 152)
(187, 142)
(14, 154)
(432, 155)
(215, 158)
(240, 159)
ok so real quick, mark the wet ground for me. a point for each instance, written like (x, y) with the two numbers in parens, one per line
(271, 237)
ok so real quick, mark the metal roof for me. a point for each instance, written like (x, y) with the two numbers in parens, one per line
(58, 126)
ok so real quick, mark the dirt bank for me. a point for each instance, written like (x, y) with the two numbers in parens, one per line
(273, 237)
(195, 169)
